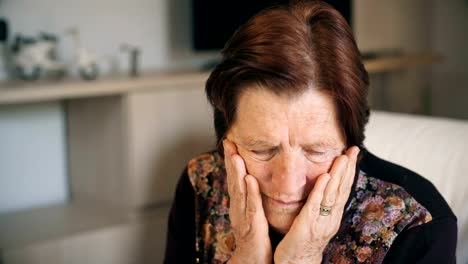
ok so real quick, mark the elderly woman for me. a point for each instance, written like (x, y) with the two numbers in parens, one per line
(291, 181)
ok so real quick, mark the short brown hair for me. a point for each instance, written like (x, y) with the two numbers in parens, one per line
(288, 49)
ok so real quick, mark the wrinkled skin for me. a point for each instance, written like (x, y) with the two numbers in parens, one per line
(284, 158)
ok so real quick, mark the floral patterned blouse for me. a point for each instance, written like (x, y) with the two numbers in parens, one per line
(376, 213)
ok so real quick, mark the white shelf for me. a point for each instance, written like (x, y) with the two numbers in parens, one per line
(392, 63)
(16, 92)
(29, 92)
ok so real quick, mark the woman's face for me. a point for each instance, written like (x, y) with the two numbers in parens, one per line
(286, 144)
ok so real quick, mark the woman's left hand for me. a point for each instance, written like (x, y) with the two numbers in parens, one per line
(310, 232)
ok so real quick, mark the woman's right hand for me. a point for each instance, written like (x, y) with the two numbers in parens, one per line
(246, 213)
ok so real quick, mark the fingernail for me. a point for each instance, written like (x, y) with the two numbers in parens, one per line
(247, 178)
(226, 147)
(356, 151)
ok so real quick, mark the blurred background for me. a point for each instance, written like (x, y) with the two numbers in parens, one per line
(102, 105)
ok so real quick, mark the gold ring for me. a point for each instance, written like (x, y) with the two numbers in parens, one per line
(325, 210)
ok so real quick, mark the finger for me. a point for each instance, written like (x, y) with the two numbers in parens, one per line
(238, 173)
(254, 199)
(346, 185)
(312, 205)
(228, 167)
(235, 170)
(237, 165)
(337, 172)
(352, 153)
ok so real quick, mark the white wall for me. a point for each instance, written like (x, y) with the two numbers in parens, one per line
(450, 38)
(437, 26)
(32, 156)
(395, 25)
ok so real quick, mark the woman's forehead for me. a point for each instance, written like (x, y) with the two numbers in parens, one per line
(265, 118)
(309, 108)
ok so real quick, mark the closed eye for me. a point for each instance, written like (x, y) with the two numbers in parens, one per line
(313, 152)
(317, 156)
(264, 154)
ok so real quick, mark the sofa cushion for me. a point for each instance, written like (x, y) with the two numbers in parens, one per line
(436, 148)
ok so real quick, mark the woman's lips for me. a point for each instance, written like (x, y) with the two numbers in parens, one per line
(284, 204)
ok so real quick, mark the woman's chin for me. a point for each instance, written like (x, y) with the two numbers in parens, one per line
(281, 222)
(282, 230)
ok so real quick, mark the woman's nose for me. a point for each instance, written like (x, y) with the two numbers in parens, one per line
(289, 175)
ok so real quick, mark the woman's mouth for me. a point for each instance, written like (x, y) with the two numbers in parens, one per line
(284, 203)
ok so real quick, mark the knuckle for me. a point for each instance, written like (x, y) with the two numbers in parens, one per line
(314, 210)
(251, 210)
(343, 158)
(330, 200)
(236, 192)
(240, 193)
(243, 232)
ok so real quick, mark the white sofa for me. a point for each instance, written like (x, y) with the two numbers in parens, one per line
(436, 148)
